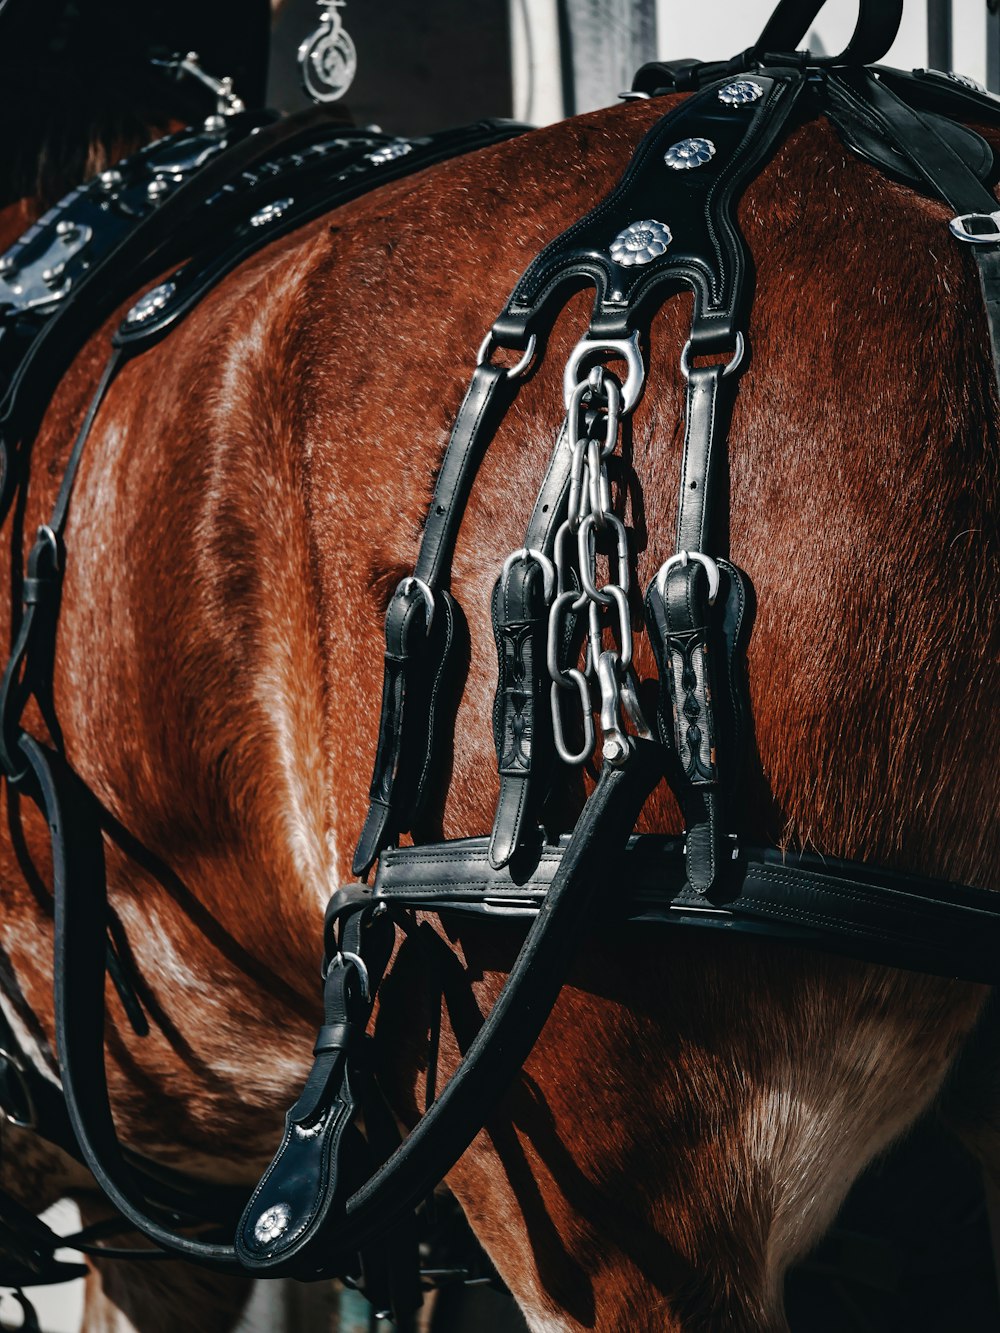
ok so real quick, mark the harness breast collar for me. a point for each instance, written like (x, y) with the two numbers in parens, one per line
(333, 1201)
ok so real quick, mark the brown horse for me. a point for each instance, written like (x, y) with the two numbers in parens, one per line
(254, 487)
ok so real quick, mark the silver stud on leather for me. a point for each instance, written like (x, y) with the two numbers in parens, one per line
(640, 243)
(150, 304)
(272, 1223)
(689, 153)
(271, 212)
(740, 93)
(389, 152)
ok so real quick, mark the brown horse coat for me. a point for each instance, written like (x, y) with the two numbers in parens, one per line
(253, 489)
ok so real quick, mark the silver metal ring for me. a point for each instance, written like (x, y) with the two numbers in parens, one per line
(683, 558)
(588, 534)
(731, 365)
(45, 534)
(626, 348)
(553, 639)
(486, 349)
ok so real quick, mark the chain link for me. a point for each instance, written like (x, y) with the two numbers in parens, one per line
(594, 426)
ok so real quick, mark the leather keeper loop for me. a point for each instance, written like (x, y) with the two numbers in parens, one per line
(336, 1037)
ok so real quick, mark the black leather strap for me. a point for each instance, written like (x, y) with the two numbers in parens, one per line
(418, 643)
(494, 1056)
(324, 176)
(818, 902)
(404, 748)
(948, 177)
(521, 717)
(80, 893)
(523, 790)
(29, 669)
(709, 394)
(690, 204)
(875, 31)
(158, 240)
(686, 606)
(488, 397)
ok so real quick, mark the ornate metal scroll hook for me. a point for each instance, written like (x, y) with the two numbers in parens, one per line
(328, 58)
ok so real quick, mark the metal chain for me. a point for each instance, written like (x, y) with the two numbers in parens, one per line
(594, 426)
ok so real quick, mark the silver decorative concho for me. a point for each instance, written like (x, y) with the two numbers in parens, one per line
(740, 93)
(640, 243)
(689, 153)
(151, 304)
(272, 1222)
(389, 152)
(271, 212)
(328, 59)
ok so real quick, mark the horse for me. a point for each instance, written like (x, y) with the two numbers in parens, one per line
(253, 489)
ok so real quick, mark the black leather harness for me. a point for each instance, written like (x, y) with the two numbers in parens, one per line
(331, 1195)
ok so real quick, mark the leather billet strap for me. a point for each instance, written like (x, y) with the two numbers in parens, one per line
(908, 921)
(679, 603)
(522, 729)
(519, 611)
(414, 667)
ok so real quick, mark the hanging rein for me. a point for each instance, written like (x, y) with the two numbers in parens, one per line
(670, 225)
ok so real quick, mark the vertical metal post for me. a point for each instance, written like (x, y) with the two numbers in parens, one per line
(993, 45)
(939, 49)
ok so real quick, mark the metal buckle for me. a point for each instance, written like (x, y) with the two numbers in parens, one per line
(957, 227)
(486, 350)
(682, 558)
(403, 590)
(731, 365)
(547, 567)
(626, 348)
(340, 959)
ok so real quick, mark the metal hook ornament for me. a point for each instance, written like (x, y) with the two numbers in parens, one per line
(328, 58)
